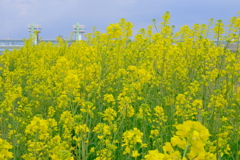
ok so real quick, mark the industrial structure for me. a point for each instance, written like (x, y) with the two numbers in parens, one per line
(78, 30)
(34, 34)
(34, 31)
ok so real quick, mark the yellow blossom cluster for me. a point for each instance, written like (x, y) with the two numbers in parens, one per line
(188, 143)
(4, 150)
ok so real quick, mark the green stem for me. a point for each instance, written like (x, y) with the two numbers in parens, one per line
(83, 150)
(185, 151)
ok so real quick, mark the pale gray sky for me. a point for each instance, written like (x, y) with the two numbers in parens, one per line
(57, 16)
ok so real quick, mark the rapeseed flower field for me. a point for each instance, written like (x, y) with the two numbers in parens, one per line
(161, 95)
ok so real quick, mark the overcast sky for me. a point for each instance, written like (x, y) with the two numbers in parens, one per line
(57, 16)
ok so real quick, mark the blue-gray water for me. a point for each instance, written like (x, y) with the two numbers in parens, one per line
(10, 44)
(15, 43)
